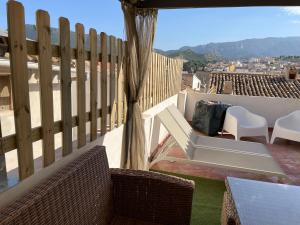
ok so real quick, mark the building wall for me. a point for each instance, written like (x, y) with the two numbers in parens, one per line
(5, 93)
(196, 83)
(270, 108)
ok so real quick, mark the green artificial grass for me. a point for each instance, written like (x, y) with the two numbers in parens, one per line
(207, 202)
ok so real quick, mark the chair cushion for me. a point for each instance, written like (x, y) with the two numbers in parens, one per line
(118, 220)
(80, 193)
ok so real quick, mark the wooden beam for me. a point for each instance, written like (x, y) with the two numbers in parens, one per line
(80, 70)
(46, 89)
(65, 74)
(9, 143)
(93, 83)
(175, 4)
(103, 79)
(20, 87)
(32, 49)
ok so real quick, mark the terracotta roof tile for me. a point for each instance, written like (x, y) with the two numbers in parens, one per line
(257, 85)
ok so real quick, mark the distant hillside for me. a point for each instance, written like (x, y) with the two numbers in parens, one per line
(247, 48)
(288, 46)
(31, 34)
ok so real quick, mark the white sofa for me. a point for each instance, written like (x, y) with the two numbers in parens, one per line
(240, 122)
(287, 127)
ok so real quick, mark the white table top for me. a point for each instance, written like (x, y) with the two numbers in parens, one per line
(263, 203)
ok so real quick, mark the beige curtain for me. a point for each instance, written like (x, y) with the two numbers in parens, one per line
(140, 30)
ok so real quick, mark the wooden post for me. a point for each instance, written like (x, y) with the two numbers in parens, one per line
(81, 77)
(125, 81)
(113, 81)
(46, 90)
(3, 173)
(120, 88)
(155, 79)
(20, 87)
(104, 82)
(65, 74)
(93, 83)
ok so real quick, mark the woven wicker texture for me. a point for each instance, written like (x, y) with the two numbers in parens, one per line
(229, 216)
(87, 192)
(80, 193)
(152, 197)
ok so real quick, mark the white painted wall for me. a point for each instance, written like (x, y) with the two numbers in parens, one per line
(270, 108)
(196, 83)
(155, 132)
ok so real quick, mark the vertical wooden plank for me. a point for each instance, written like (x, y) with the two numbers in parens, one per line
(160, 79)
(104, 82)
(80, 70)
(120, 83)
(65, 74)
(149, 84)
(125, 50)
(171, 79)
(46, 90)
(93, 83)
(173, 76)
(167, 77)
(3, 173)
(20, 87)
(164, 78)
(155, 79)
(113, 81)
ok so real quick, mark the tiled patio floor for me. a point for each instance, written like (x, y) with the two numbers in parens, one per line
(286, 153)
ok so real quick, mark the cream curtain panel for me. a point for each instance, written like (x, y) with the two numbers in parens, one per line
(140, 30)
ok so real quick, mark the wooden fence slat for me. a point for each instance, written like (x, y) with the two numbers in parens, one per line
(20, 87)
(125, 50)
(164, 77)
(160, 79)
(113, 81)
(93, 83)
(149, 85)
(9, 143)
(152, 82)
(120, 88)
(155, 79)
(80, 70)
(65, 74)
(46, 90)
(104, 82)
(32, 49)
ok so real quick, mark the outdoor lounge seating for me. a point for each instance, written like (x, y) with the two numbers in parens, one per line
(86, 191)
(287, 127)
(240, 122)
(215, 152)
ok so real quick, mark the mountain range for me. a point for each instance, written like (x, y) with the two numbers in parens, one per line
(32, 34)
(287, 46)
(272, 46)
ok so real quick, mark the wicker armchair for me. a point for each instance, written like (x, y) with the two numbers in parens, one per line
(86, 191)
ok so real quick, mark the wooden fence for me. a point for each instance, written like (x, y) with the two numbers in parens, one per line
(105, 60)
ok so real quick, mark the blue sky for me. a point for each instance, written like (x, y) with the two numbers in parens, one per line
(175, 28)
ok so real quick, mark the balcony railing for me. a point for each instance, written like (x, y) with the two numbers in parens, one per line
(101, 85)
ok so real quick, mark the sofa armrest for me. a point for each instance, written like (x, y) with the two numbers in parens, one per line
(152, 197)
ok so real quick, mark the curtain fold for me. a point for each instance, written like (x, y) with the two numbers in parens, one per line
(140, 30)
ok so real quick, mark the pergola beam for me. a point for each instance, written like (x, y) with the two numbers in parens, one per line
(175, 4)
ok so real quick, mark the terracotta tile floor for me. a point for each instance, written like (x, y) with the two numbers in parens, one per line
(286, 153)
